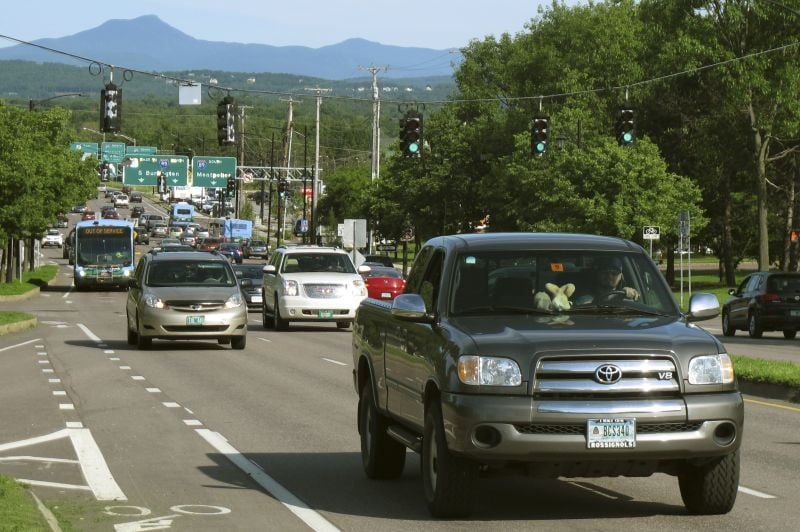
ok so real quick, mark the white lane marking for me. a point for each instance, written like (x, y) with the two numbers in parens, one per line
(108, 351)
(334, 361)
(53, 484)
(59, 392)
(69, 291)
(48, 370)
(42, 353)
(39, 346)
(755, 493)
(153, 390)
(193, 422)
(137, 377)
(170, 404)
(93, 337)
(125, 367)
(20, 345)
(74, 425)
(39, 459)
(94, 467)
(44, 362)
(54, 381)
(66, 406)
(310, 517)
(114, 359)
(264, 339)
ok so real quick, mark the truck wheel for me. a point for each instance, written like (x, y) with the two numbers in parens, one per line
(265, 321)
(279, 323)
(710, 489)
(789, 334)
(381, 456)
(727, 328)
(754, 325)
(447, 479)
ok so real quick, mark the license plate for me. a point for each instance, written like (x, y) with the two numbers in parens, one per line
(794, 313)
(386, 295)
(104, 274)
(616, 433)
(195, 320)
(325, 313)
(256, 299)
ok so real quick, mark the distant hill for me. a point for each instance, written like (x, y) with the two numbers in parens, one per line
(147, 43)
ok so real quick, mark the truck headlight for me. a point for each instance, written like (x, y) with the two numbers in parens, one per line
(234, 301)
(290, 288)
(711, 369)
(359, 288)
(153, 302)
(488, 371)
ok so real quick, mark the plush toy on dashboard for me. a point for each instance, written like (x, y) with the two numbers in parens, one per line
(558, 298)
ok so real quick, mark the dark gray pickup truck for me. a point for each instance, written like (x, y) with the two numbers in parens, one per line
(509, 351)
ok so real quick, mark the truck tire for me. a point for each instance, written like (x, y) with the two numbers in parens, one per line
(381, 456)
(265, 321)
(727, 328)
(754, 327)
(278, 323)
(447, 479)
(710, 489)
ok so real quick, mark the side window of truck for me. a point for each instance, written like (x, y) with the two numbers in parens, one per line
(432, 281)
(414, 282)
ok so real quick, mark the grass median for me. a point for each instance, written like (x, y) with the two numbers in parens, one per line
(30, 281)
(18, 510)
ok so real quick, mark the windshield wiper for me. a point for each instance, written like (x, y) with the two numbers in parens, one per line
(614, 309)
(492, 308)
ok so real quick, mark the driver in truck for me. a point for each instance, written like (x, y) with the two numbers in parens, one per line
(611, 281)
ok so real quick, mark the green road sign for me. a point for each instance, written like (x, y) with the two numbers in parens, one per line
(212, 172)
(141, 150)
(145, 169)
(88, 148)
(113, 152)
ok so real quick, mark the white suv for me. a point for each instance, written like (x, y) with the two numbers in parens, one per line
(311, 284)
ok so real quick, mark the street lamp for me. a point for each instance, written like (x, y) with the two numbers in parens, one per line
(131, 139)
(95, 131)
(32, 103)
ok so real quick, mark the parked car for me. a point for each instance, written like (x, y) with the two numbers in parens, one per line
(764, 301)
(232, 250)
(383, 282)
(311, 284)
(52, 238)
(188, 296)
(250, 279)
(255, 248)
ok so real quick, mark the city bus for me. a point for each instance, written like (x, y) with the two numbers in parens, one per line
(104, 253)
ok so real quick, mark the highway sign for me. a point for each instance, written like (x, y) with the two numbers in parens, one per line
(112, 152)
(651, 232)
(141, 150)
(144, 170)
(212, 172)
(85, 147)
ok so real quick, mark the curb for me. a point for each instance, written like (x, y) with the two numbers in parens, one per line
(769, 390)
(18, 326)
(21, 297)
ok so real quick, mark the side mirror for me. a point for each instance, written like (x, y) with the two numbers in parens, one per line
(246, 283)
(702, 306)
(364, 269)
(269, 268)
(133, 283)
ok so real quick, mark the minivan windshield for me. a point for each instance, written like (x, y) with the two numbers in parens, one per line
(534, 281)
(190, 273)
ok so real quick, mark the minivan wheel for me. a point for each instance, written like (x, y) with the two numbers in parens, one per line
(132, 336)
(754, 325)
(727, 328)
(142, 342)
(238, 342)
(447, 479)
(789, 334)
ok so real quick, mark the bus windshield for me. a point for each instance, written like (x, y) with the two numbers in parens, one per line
(103, 246)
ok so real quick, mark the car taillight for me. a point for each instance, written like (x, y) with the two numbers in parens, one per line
(769, 297)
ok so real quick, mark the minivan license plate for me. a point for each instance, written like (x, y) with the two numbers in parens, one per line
(325, 313)
(194, 320)
(611, 433)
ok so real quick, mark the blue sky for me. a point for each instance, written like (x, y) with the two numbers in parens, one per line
(439, 24)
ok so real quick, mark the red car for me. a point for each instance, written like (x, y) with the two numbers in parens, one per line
(88, 215)
(111, 215)
(209, 244)
(383, 282)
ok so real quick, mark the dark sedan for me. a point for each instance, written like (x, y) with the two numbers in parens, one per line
(764, 301)
(233, 251)
(250, 278)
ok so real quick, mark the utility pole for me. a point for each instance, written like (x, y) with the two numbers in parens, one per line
(376, 132)
(239, 184)
(315, 178)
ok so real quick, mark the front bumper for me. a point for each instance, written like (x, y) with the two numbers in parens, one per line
(299, 308)
(169, 323)
(525, 429)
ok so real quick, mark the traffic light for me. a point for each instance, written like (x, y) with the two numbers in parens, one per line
(231, 189)
(110, 109)
(226, 114)
(626, 132)
(411, 134)
(539, 133)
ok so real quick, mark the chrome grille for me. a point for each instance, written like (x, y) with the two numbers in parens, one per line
(579, 377)
(580, 429)
(325, 291)
(195, 306)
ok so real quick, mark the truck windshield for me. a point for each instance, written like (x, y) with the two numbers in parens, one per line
(556, 281)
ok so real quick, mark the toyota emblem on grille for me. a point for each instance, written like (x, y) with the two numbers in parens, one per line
(197, 307)
(607, 374)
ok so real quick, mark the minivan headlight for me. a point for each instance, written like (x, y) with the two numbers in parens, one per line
(234, 301)
(488, 371)
(711, 369)
(153, 302)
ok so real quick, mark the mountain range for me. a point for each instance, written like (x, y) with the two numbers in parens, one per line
(148, 43)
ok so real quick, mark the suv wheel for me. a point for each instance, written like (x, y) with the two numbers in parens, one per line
(279, 323)
(447, 479)
(710, 489)
(381, 455)
(265, 321)
(727, 328)
(754, 325)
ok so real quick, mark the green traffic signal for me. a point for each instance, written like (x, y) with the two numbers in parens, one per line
(411, 134)
(539, 134)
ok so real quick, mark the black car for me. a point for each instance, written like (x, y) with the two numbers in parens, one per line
(250, 278)
(136, 211)
(764, 301)
(233, 251)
